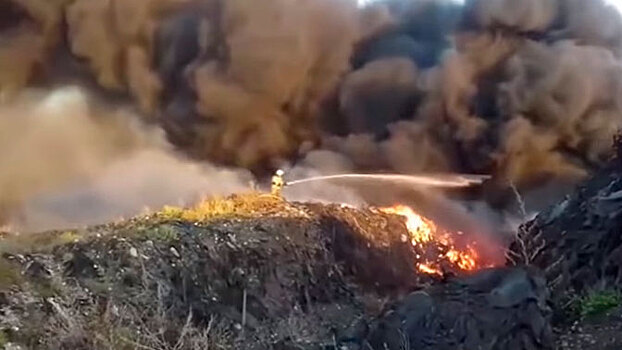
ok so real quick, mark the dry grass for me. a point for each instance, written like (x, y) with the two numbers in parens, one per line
(16, 243)
(243, 206)
(76, 316)
(137, 329)
(9, 274)
(248, 205)
(75, 319)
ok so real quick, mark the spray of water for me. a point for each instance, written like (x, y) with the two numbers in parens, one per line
(435, 180)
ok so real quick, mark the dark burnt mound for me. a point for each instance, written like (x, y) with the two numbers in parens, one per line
(578, 242)
(260, 275)
(493, 309)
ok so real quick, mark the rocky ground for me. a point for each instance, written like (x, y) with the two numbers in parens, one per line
(255, 272)
(601, 333)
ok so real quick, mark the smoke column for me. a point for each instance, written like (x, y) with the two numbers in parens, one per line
(527, 91)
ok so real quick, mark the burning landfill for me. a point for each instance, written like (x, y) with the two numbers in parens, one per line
(427, 154)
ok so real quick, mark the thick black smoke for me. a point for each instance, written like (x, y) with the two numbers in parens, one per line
(523, 90)
(529, 89)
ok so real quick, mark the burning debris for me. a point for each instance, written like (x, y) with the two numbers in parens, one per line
(248, 260)
(522, 94)
(435, 247)
(425, 247)
(575, 244)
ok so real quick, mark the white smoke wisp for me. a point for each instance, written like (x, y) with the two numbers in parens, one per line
(143, 182)
(67, 164)
(318, 163)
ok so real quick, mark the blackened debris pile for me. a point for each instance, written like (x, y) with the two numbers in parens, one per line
(494, 309)
(577, 243)
(150, 284)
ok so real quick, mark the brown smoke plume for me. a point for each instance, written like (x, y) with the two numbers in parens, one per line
(44, 145)
(519, 89)
(530, 88)
(282, 58)
(29, 29)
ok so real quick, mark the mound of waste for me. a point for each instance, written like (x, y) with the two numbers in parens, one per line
(498, 309)
(256, 272)
(247, 272)
(578, 242)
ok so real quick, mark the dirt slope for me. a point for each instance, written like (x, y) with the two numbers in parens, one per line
(246, 273)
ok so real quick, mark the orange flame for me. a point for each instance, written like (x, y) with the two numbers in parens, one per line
(421, 230)
(427, 236)
(429, 270)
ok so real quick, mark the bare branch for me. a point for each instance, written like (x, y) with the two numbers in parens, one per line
(519, 200)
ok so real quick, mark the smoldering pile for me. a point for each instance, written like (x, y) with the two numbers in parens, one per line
(522, 90)
(245, 262)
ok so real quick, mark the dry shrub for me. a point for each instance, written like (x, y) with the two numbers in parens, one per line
(124, 325)
(249, 205)
(13, 242)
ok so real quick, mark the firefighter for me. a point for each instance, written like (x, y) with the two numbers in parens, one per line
(277, 183)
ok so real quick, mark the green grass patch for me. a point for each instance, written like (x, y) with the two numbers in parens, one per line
(163, 233)
(27, 242)
(598, 303)
(9, 274)
(46, 289)
(4, 339)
